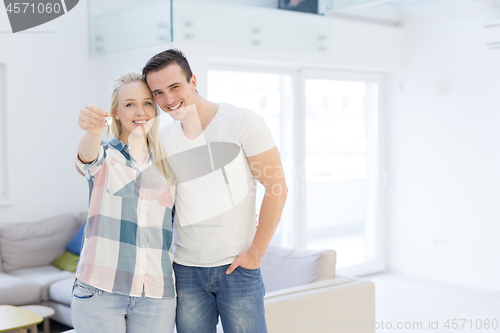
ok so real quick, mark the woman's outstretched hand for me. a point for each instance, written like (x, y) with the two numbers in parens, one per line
(91, 119)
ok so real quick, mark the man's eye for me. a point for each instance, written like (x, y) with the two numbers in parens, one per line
(157, 93)
(175, 87)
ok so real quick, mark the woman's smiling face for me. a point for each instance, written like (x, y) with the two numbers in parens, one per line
(135, 109)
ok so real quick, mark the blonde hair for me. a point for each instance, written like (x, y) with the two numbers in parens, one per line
(153, 141)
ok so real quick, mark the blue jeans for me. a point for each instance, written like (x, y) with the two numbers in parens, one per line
(94, 311)
(205, 293)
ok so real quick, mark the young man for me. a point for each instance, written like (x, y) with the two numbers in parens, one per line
(216, 152)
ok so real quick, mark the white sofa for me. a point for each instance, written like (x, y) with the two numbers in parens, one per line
(303, 294)
(26, 253)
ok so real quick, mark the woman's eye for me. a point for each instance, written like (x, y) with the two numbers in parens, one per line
(148, 103)
(129, 104)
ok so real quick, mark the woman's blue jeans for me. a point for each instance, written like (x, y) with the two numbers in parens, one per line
(95, 311)
(205, 293)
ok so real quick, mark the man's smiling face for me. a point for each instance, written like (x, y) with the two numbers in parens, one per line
(171, 90)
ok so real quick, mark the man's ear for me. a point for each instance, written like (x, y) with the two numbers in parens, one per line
(193, 81)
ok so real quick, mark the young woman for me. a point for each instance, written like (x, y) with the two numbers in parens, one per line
(124, 280)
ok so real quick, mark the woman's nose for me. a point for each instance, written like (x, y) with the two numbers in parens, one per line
(140, 110)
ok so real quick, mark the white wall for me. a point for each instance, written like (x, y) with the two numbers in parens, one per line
(443, 153)
(51, 76)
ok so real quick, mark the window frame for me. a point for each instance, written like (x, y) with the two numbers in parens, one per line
(378, 264)
(299, 74)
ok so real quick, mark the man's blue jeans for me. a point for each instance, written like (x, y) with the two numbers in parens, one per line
(205, 293)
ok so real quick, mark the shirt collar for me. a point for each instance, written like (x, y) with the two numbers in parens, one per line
(121, 146)
(117, 144)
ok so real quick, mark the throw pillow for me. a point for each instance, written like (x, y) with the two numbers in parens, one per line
(75, 244)
(66, 262)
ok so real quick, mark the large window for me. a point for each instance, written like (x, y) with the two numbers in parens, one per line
(270, 95)
(326, 125)
(342, 165)
(4, 186)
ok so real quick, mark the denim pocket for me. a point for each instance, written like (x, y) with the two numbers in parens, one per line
(255, 270)
(83, 291)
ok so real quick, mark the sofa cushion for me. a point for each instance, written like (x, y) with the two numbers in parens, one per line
(62, 313)
(310, 288)
(35, 244)
(75, 244)
(285, 268)
(17, 291)
(61, 291)
(43, 276)
(66, 262)
(81, 218)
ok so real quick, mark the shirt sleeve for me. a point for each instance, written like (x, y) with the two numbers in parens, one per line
(254, 136)
(91, 169)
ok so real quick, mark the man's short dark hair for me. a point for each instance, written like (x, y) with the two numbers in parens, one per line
(165, 58)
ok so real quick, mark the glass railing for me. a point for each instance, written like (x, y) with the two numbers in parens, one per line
(117, 25)
(126, 24)
(206, 22)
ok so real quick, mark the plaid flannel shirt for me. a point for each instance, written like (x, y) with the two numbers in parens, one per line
(127, 245)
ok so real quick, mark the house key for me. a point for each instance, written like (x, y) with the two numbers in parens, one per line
(108, 122)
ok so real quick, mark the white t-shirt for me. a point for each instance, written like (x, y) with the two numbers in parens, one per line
(215, 205)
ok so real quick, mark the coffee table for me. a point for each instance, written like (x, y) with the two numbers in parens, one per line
(14, 319)
(43, 311)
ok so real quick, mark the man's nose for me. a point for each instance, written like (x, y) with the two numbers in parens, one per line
(170, 99)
